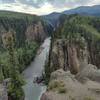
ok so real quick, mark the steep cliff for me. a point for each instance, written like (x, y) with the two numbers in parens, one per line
(26, 26)
(20, 36)
(75, 42)
(67, 56)
(75, 48)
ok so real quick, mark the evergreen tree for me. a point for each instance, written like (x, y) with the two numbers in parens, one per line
(15, 90)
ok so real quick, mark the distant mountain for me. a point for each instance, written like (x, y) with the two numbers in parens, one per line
(52, 18)
(83, 10)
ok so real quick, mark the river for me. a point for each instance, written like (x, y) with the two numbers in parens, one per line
(34, 91)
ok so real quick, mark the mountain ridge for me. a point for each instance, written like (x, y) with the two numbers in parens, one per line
(82, 10)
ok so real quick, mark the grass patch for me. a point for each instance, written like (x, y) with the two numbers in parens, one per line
(62, 90)
(71, 98)
(89, 98)
(57, 85)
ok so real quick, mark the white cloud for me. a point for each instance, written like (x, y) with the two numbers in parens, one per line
(45, 9)
(44, 6)
(94, 2)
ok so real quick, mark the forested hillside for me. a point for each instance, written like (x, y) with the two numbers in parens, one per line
(73, 66)
(75, 50)
(20, 37)
(78, 34)
(26, 26)
(53, 18)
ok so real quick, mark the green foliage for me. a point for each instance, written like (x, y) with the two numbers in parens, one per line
(81, 30)
(89, 98)
(16, 53)
(62, 90)
(14, 61)
(47, 73)
(16, 83)
(47, 68)
(26, 54)
(19, 22)
(15, 90)
(23, 56)
(83, 33)
(74, 24)
(57, 85)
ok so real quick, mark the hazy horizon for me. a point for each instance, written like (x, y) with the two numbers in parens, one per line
(43, 7)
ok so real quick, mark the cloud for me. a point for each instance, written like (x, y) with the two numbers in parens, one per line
(55, 3)
(41, 7)
(94, 2)
(7, 1)
(45, 9)
(69, 3)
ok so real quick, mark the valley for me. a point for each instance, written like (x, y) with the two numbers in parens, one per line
(20, 37)
(33, 90)
(62, 48)
(73, 70)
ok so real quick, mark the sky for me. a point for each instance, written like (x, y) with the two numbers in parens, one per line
(43, 7)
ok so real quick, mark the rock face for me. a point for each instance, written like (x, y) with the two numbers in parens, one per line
(45, 97)
(89, 72)
(67, 56)
(3, 92)
(75, 48)
(71, 89)
(36, 32)
(26, 27)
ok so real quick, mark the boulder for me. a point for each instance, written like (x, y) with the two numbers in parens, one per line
(45, 96)
(89, 72)
(64, 86)
(59, 74)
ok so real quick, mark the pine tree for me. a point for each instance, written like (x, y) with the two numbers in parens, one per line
(15, 90)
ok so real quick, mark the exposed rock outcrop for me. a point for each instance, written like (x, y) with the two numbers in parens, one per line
(75, 48)
(64, 86)
(36, 32)
(67, 56)
(89, 72)
(25, 26)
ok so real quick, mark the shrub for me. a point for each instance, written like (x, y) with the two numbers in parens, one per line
(71, 98)
(89, 98)
(57, 85)
(62, 90)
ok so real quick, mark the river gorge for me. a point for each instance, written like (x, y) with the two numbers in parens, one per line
(34, 91)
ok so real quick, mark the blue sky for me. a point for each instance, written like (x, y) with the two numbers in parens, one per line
(42, 7)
